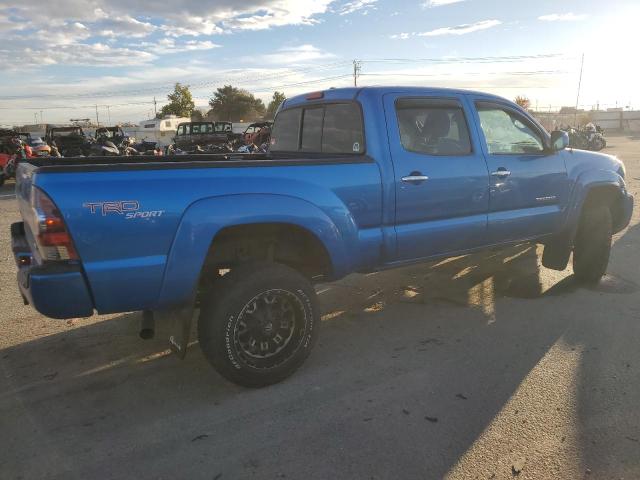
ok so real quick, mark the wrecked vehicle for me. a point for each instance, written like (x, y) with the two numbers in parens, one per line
(70, 141)
(357, 180)
(191, 134)
(257, 133)
(113, 134)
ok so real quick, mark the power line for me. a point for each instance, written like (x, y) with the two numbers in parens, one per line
(259, 77)
(495, 59)
(192, 86)
(450, 74)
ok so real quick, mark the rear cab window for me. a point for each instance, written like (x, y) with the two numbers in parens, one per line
(331, 128)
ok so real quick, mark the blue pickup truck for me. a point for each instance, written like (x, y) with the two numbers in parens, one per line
(357, 180)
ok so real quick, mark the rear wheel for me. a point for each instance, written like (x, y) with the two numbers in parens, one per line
(598, 144)
(592, 245)
(259, 323)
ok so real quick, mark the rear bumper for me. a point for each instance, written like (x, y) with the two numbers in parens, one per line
(55, 290)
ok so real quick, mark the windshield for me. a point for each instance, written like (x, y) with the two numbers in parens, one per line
(66, 132)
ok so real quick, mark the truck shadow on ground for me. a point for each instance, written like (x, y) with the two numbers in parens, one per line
(411, 367)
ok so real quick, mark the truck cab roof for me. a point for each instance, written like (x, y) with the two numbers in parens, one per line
(352, 93)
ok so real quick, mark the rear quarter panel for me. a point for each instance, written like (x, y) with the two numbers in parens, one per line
(125, 259)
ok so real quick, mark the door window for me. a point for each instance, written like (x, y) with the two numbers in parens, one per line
(181, 130)
(433, 126)
(507, 132)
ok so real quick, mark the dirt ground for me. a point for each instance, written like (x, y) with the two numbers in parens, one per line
(485, 366)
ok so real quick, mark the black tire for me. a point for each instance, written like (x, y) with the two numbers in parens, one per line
(592, 245)
(598, 144)
(229, 332)
(2, 179)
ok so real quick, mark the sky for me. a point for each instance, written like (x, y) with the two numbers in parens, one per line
(67, 59)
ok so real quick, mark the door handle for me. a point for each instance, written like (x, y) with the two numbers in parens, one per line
(501, 173)
(415, 177)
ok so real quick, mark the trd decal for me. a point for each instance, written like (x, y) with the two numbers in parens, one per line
(129, 208)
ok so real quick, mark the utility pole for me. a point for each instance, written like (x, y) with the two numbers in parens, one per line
(155, 107)
(41, 117)
(97, 118)
(109, 115)
(575, 115)
(356, 72)
(35, 118)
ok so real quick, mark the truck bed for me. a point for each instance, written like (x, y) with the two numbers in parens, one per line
(182, 202)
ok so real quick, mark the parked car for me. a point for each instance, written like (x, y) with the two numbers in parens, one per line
(191, 134)
(357, 180)
(39, 147)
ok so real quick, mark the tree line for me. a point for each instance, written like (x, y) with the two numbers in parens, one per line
(233, 104)
(228, 103)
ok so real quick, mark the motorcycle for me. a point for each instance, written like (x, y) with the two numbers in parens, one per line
(101, 147)
(586, 139)
(595, 137)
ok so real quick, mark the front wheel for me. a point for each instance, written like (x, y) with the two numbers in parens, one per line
(2, 179)
(259, 323)
(592, 245)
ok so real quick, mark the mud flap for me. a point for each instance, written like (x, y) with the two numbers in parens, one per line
(556, 255)
(180, 332)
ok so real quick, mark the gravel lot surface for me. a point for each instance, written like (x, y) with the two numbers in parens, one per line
(485, 366)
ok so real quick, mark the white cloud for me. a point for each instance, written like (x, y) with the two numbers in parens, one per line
(169, 45)
(295, 55)
(439, 3)
(176, 18)
(192, 26)
(66, 34)
(278, 13)
(356, 5)
(562, 17)
(125, 26)
(77, 24)
(461, 29)
(400, 36)
(97, 54)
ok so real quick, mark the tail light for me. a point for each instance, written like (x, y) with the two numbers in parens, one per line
(52, 237)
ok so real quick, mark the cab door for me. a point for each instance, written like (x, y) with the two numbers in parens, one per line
(528, 181)
(441, 178)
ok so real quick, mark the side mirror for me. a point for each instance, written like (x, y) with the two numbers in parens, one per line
(559, 140)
